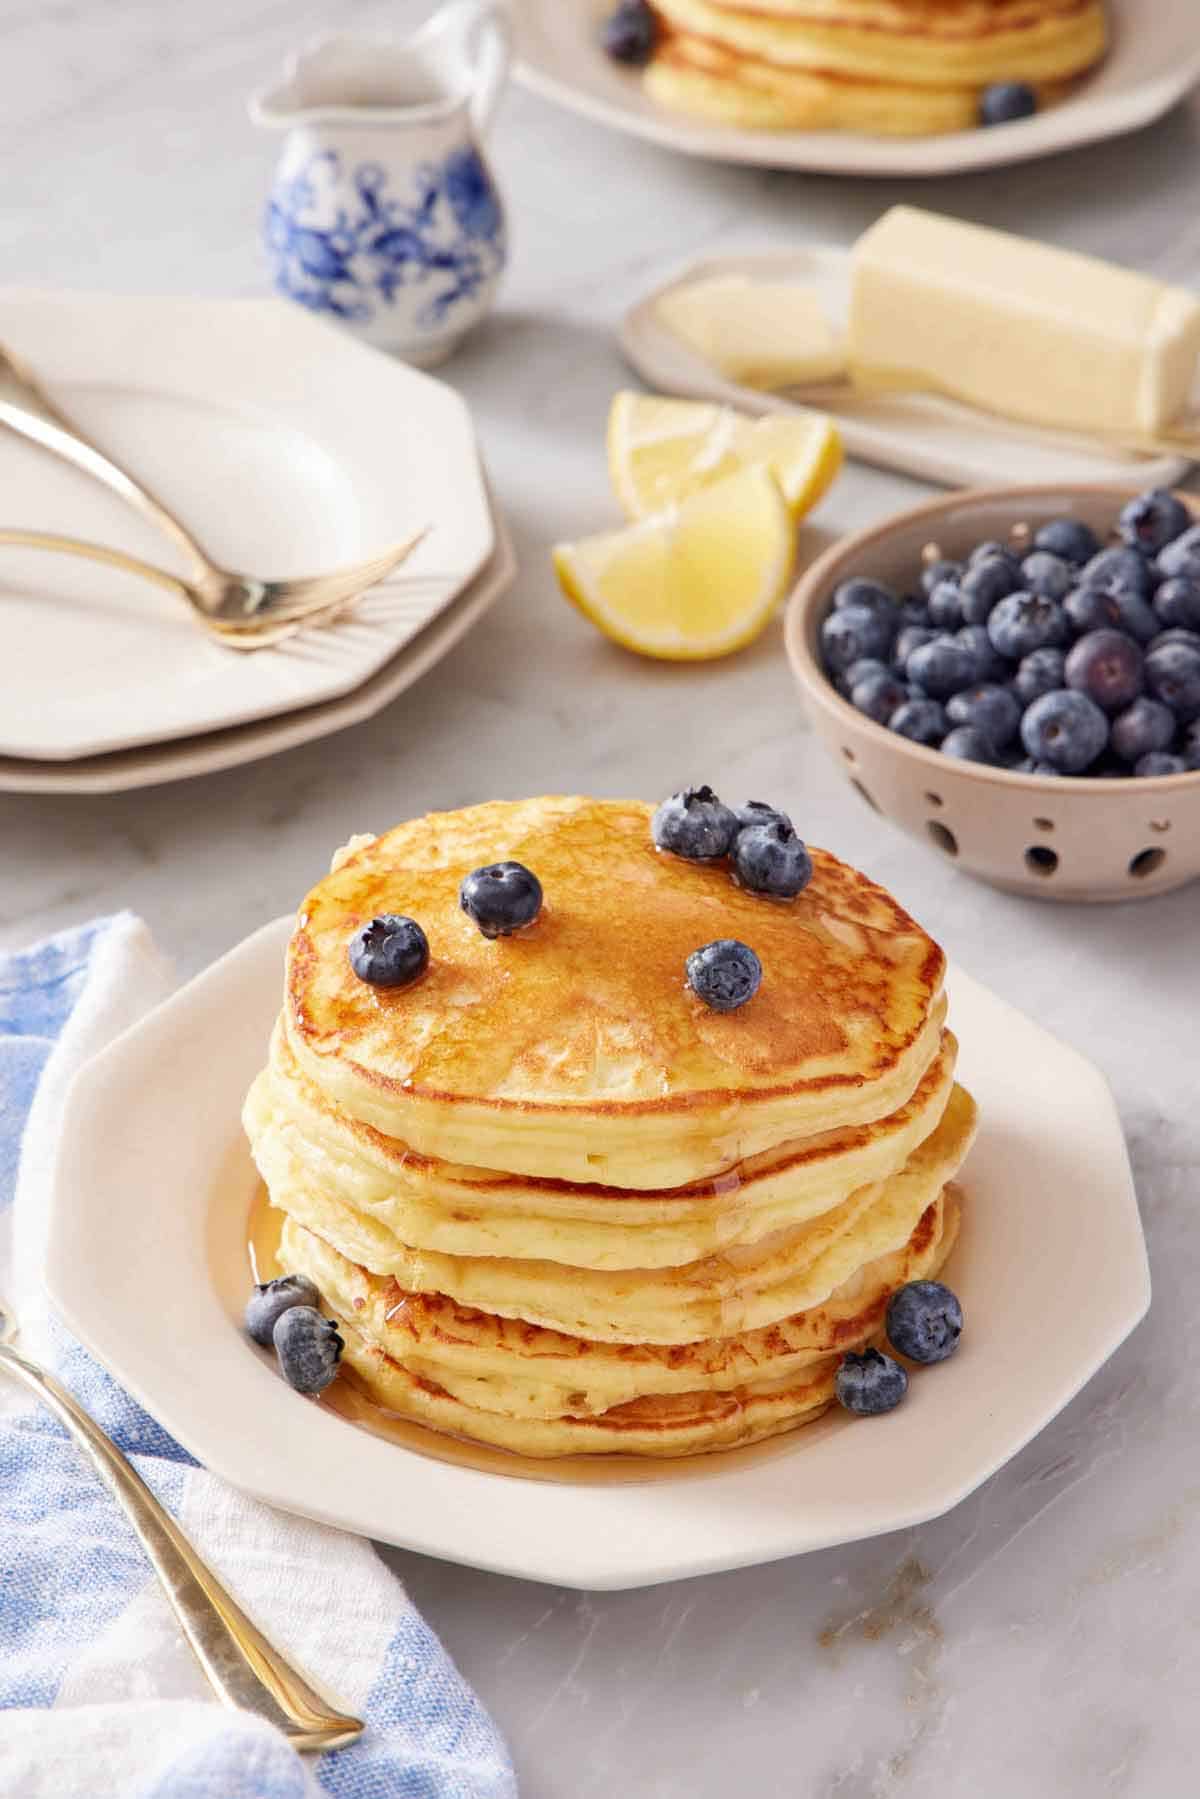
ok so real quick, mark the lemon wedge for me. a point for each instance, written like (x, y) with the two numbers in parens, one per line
(693, 582)
(660, 452)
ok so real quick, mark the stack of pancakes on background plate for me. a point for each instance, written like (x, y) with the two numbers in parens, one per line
(555, 1203)
(900, 67)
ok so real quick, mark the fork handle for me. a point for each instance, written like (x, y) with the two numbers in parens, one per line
(244, 1670)
(28, 411)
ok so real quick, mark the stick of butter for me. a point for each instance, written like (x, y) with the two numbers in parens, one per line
(761, 333)
(1017, 327)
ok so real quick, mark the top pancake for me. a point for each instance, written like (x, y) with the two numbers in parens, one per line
(574, 1049)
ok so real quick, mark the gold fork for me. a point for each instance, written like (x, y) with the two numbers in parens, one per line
(219, 595)
(244, 1670)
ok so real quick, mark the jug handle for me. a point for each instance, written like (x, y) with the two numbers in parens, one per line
(486, 29)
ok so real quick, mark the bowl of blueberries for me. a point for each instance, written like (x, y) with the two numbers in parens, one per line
(1013, 676)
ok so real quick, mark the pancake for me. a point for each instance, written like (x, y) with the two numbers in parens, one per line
(662, 1423)
(434, 1205)
(901, 67)
(573, 1050)
(742, 1288)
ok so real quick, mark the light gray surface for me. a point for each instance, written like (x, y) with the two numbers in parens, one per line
(1033, 1642)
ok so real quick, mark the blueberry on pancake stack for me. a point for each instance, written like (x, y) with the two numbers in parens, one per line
(639, 1148)
(894, 67)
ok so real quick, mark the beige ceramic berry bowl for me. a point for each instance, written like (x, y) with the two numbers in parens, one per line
(1070, 839)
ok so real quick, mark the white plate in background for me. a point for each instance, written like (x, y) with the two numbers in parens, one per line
(289, 449)
(920, 434)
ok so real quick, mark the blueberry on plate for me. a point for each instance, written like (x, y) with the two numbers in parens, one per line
(989, 708)
(854, 632)
(920, 720)
(630, 34)
(693, 823)
(1022, 622)
(390, 951)
(910, 638)
(501, 898)
(878, 694)
(1157, 762)
(941, 667)
(1119, 568)
(757, 812)
(1153, 520)
(945, 606)
(771, 859)
(1065, 729)
(1107, 666)
(941, 570)
(969, 744)
(986, 660)
(1069, 538)
(987, 581)
(309, 1348)
(859, 591)
(1182, 556)
(1043, 572)
(870, 1383)
(1177, 602)
(271, 1299)
(1038, 673)
(1145, 726)
(1005, 101)
(1173, 676)
(924, 1321)
(724, 974)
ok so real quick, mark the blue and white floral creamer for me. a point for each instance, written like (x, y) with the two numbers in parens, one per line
(384, 214)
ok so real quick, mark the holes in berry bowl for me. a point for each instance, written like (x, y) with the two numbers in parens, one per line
(1040, 860)
(1043, 824)
(934, 799)
(863, 794)
(1160, 825)
(849, 754)
(1146, 862)
(945, 839)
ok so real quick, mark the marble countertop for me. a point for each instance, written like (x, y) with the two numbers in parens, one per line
(1040, 1639)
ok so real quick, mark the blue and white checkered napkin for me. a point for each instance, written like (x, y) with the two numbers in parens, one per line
(99, 1692)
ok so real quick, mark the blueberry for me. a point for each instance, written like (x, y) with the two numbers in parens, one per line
(271, 1299)
(986, 661)
(1091, 609)
(873, 595)
(857, 671)
(1069, 538)
(1145, 725)
(991, 546)
(1173, 676)
(870, 1383)
(1157, 762)
(309, 1348)
(390, 951)
(924, 1321)
(1107, 666)
(941, 570)
(724, 974)
(1182, 557)
(1043, 572)
(1005, 101)
(989, 708)
(1038, 673)
(1065, 729)
(694, 823)
(771, 859)
(1177, 634)
(501, 898)
(1191, 744)
(913, 612)
(910, 638)
(969, 744)
(757, 812)
(945, 606)
(986, 582)
(921, 721)
(1022, 622)
(855, 631)
(630, 34)
(1177, 602)
(941, 667)
(1113, 569)
(878, 695)
(1152, 521)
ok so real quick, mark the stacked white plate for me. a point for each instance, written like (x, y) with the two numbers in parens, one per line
(288, 449)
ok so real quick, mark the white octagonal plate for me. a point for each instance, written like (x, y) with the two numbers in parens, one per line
(148, 1266)
(288, 447)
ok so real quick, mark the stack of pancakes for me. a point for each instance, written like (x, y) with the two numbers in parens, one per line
(900, 67)
(558, 1205)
